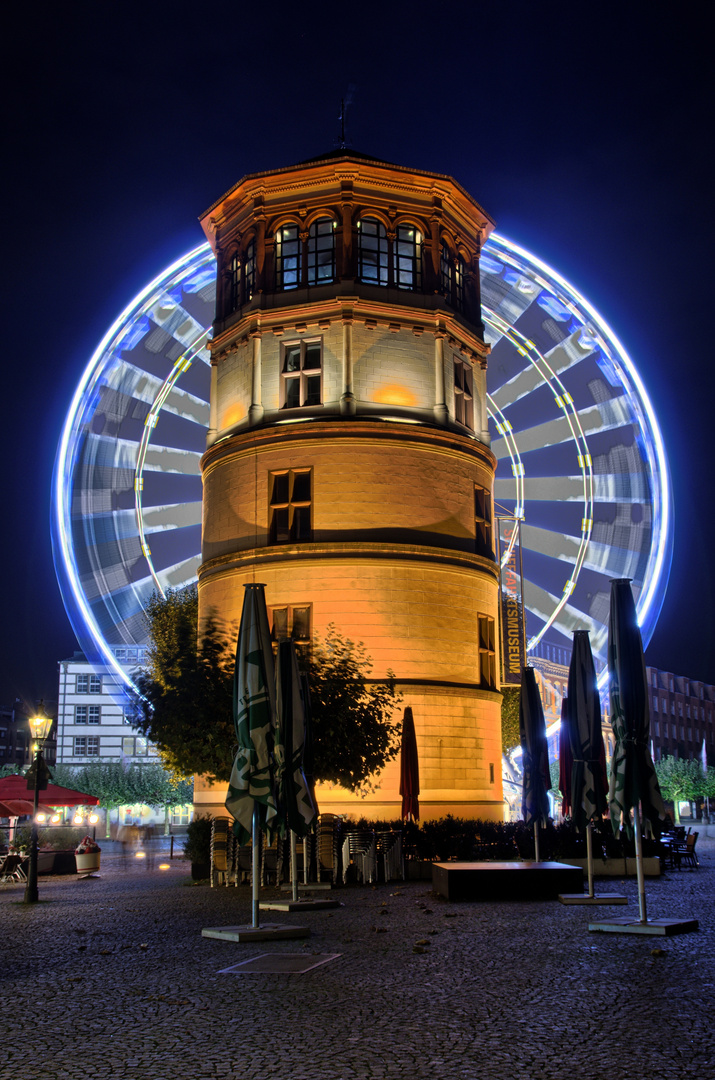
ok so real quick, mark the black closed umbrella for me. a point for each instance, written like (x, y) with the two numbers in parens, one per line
(535, 756)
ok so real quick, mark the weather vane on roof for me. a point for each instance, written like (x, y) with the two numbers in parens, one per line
(343, 141)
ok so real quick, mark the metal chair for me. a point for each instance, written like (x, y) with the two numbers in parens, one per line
(360, 851)
(389, 849)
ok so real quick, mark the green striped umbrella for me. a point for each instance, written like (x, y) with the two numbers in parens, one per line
(535, 756)
(251, 786)
(294, 796)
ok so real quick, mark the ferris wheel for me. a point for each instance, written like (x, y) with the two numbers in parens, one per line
(581, 462)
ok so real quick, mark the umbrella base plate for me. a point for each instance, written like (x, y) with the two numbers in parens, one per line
(312, 886)
(651, 928)
(298, 905)
(266, 932)
(581, 898)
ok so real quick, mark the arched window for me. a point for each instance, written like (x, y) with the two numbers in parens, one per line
(321, 251)
(249, 272)
(235, 282)
(445, 273)
(288, 257)
(407, 257)
(372, 251)
(460, 273)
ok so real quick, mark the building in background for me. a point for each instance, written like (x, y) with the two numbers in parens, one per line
(681, 715)
(348, 464)
(15, 739)
(92, 716)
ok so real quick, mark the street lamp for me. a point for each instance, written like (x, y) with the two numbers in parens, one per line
(37, 777)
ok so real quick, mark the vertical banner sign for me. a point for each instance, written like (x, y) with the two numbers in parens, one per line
(512, 602)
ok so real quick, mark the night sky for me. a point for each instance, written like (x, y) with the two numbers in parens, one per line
(584, 130)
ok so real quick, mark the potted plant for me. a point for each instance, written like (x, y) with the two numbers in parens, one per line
(197, 847)
(87, 855)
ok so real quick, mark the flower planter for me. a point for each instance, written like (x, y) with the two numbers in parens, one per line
(87, 863)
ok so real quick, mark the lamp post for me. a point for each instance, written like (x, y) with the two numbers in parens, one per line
(40, 726)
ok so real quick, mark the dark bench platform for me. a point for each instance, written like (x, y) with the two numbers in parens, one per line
(505, 880)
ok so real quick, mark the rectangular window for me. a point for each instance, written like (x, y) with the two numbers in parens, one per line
(407, 257)
(655, 704)
(288, 257)
(80, 714)
(249, 272)
(690, 734)
(656, 725)
(81, 684)
(94, 714)
(141, 746)
(372, 251)
(483, 522)
(301, 374)
(291, 622)
(95, 684)
(463, 394)
(128, 746)
(93, 746)
(321, 251)
(487, 653)
(289, 514)
(460, 274)
(687, 711)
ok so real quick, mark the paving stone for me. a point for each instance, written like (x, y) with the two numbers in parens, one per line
(505, 990)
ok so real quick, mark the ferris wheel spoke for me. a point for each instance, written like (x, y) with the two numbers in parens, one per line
(176, 516)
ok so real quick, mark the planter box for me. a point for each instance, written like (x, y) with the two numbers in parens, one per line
(418, 870)
(45, 862)
(618, 867)
(88, 863)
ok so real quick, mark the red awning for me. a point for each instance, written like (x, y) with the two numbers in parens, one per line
(16, 799)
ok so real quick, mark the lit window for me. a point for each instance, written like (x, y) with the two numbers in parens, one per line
(288, 257)
(141, 746)
(94, 714)
(289, 519)
(128, 746)
(372, 251)
(487, 653)
(80, 714)
(301, 374)
(321, 251)
(407, 257)
(460, 274)
(483, 522)
(82, 684)
(463, 394)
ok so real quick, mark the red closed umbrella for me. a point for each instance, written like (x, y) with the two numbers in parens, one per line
(16, 798)
(409, 769)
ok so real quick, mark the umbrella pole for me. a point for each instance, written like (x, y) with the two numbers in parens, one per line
(589, 859)
(639, 864)
(536, 841)
(294, 864)
(255, 869)
(306, 857)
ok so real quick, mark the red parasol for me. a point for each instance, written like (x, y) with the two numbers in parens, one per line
(16, 798)
(409, 769)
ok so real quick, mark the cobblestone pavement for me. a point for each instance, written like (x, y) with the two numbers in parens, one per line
(111, 978)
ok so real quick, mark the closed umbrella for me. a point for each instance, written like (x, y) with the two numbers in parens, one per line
(588, 780)
(251, 795)
(294, 797)
(565, 761)
(308, 764)
(535, 756)
(634, 784)
(409, 769)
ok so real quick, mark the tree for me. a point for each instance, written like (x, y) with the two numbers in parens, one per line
(116, 786)
(185, 699)
(353, 733)
(679, 779)
(510, 717)
(185, 702)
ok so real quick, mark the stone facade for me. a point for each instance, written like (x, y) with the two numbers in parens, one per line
(348, 465)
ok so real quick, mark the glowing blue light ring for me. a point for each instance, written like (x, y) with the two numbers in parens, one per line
(69, 443)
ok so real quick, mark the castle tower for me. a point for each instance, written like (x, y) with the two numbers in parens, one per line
(348, 463)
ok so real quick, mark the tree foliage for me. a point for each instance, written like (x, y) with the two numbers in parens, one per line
(185, 699)
(185, 705)
(353, 731)
(116, 786)
(679, 779)
(510, 717)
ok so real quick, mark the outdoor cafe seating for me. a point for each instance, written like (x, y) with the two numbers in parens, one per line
(14, 868)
